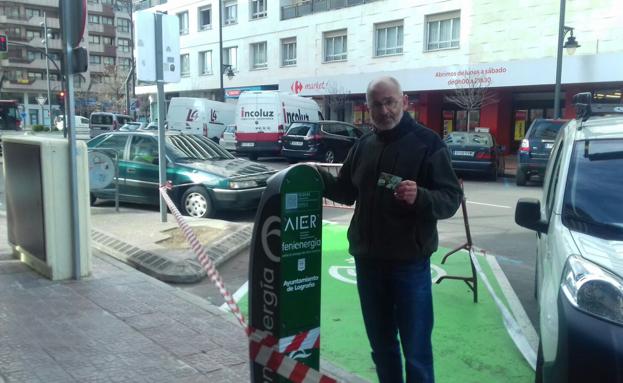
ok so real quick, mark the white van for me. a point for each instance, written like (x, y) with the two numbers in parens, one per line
(200, 116)
(263, 116)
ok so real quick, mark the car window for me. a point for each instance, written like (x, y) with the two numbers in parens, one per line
(552, 173)
(340, 130)
(465, 138)
(115, 142)
(592, 202)
(230, 129)
(123, 119)
(298, 129)
(545, 130)
(144, 149)
(354, 132)
(101, 119)
(84, 120)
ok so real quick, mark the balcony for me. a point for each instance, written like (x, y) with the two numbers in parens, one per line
(28, 84)
(145, 4)
(308, 7)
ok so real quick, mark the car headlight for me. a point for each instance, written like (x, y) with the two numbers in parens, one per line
(242, 184)
(593, 289)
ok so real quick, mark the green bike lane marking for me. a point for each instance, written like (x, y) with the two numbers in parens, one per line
(470, 343)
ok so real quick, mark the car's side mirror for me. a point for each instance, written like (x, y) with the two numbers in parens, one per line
(528, 215)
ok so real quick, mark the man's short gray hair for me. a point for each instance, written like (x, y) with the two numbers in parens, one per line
(383, 79)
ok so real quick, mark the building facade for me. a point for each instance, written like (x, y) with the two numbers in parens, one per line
(107, 38)
(331, 49)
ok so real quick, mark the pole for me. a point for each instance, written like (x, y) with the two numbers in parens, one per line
(130, 2)
(561, 37)
(221, 94)
(47, 69)
(162, 164)
(69, 125)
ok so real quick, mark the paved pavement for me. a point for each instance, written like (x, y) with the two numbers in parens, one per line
(119, 324)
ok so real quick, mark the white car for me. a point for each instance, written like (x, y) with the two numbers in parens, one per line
(579, 225)
(228, 138)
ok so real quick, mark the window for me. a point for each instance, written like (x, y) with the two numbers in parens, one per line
(258, 9)
(205, 62)
(123, 25)
(230, 57)
(388, 38)
(123, 45)
(35, 75)
(125, 63)
(183, 19)
(258, 55)
(230, 14)
(185, 65)
(144, 149)
(34, 55)
(94, 19)
(442, 31)
(205, 18)
(107, 40)
(94, 39)
(108, 60)
(114, 142)
(33, 34)
(109, 2)
(95, 59)
(288, 51)
(108, 20)
(30, 12)
(335, 45)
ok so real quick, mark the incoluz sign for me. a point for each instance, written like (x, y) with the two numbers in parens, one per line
(285, 267)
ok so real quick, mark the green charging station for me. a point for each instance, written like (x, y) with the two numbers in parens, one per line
(285, 267)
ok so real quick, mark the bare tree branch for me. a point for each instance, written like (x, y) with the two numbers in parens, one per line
(472, 93)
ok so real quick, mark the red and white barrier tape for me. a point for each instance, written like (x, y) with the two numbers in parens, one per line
(262, 344)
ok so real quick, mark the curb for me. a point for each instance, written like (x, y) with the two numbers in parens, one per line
(166, 268)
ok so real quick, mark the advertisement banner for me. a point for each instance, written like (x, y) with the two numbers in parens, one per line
(520, 124)
(285, 267)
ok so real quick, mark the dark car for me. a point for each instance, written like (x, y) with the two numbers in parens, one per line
(327, 141)
(206, 178)
(535, 148)
(475, 152)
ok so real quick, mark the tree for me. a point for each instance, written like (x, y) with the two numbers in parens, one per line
(113, 86)
(472, 93)
(336, 98)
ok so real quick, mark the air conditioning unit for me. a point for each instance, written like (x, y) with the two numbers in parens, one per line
(38, 204)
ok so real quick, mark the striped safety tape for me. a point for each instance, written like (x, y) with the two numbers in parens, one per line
(262, 345)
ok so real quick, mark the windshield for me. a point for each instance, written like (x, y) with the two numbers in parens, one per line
(195, 147)
(546, 130)
(464, 138)
(592, 202)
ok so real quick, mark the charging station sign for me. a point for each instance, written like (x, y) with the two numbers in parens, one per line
(285, 267)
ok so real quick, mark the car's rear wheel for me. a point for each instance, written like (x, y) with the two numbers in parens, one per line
(196, 203)
(329, 156)
(521, 178)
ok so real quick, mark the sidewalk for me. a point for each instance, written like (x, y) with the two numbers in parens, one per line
(118, 325)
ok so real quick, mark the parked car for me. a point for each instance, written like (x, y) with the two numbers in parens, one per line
(476, 152)
(536, 148)
(579, 270)
(103, 122)
(131, 126)
(206, 178)
(228, 138)
(327, 141)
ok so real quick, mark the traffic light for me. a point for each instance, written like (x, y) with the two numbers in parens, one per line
(4, 43)
(60, 100)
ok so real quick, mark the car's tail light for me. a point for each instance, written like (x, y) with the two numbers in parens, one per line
(525, 146)
(483, 156)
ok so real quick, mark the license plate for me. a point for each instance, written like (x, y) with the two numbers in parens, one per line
(549, 146)
(463, 153)
(247, 144)
(296, 143)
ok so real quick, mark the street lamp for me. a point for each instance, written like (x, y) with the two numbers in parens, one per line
(571, 44)
(44, 25)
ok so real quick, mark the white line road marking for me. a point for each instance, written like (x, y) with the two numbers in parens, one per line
(490, 204)
(241, 292)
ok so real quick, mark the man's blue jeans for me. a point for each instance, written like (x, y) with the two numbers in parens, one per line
(396, 299)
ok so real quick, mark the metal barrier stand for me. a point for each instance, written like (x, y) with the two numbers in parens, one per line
(471, 282)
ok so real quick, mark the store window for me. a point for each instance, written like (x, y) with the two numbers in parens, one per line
(443, 31)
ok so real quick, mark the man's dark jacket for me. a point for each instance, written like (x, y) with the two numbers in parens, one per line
(382, 226)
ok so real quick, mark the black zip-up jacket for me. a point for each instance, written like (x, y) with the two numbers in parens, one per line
(382, 226)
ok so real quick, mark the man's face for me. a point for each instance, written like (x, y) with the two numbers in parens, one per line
(386, 106)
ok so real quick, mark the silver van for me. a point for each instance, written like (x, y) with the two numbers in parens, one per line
(102, 122)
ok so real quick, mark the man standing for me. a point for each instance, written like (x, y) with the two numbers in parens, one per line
(401, 178)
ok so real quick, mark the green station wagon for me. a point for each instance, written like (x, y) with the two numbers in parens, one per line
(205, 177)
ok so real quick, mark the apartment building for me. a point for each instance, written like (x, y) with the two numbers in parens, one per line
(331, 49)
(108, 39)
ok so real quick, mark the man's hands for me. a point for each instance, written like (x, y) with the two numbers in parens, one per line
(406, 191)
